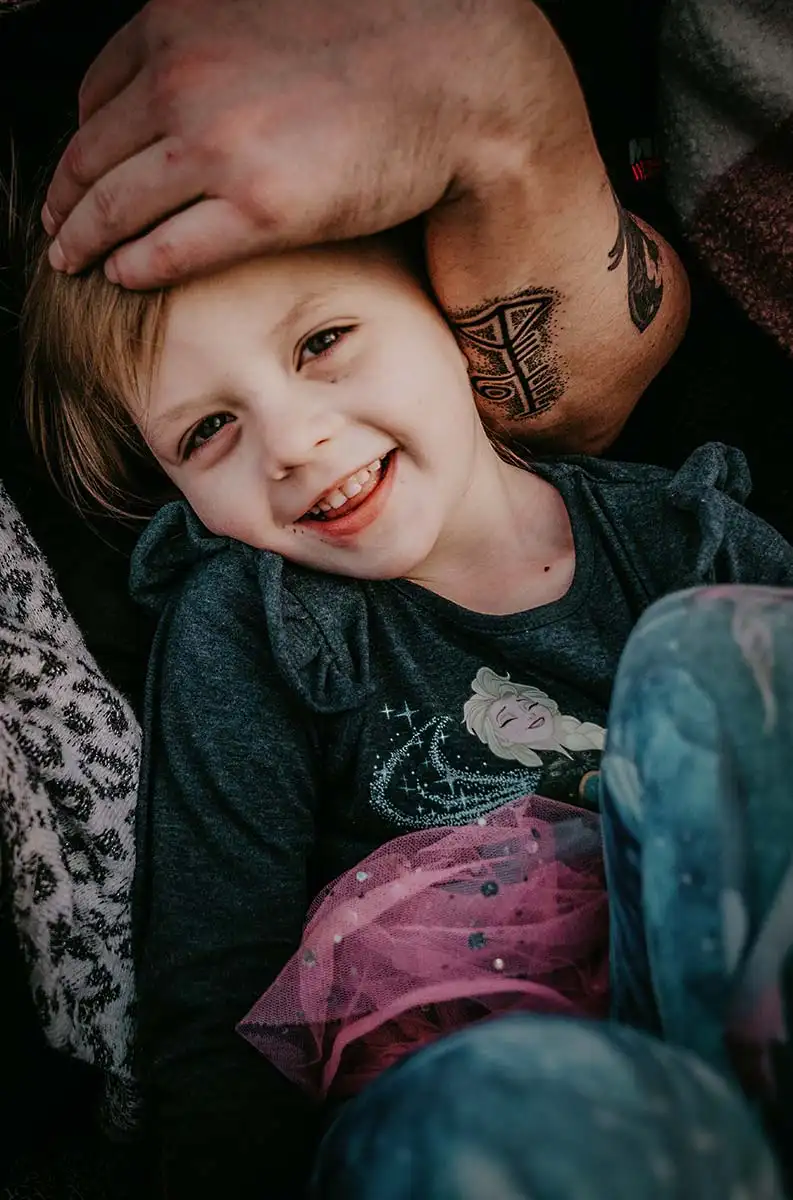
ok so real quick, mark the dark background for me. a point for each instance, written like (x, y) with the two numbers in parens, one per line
(727, 382)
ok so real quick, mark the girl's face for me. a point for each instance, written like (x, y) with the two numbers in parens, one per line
(317, 405)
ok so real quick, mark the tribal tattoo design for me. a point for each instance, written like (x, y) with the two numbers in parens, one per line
(508, 344)
(645, 285)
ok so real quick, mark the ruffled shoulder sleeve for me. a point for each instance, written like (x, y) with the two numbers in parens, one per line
(316, 626)
(171, 546)
(712, 482)
(680, 529)
(713, 468)
(704, 534)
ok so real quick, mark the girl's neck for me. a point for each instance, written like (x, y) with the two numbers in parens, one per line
(510, 547)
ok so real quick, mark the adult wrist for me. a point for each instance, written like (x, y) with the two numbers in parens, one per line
(526, 123)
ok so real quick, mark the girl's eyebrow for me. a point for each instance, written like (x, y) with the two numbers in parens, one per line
(299, 310)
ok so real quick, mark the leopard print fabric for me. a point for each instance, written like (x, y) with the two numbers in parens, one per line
(69, 760)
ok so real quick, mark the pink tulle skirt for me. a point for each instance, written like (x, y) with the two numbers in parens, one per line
(437, 929)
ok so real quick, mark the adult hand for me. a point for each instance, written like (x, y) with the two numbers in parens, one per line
(211, 130)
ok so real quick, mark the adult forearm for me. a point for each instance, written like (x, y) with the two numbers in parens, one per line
(565, 305)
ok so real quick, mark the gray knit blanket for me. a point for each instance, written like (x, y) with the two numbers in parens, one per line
(727, 91)
(69, 759)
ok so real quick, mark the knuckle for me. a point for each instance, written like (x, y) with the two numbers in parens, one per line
(164, 86)
(84, 95)
(57, 210)
(174, 76)
(105, 204)
(168, 260)
(221, 139)
(89, 89)
(275, 201)
(75, 162)
(238, 169)
(260, 198)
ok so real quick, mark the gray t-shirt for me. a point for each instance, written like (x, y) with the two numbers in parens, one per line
(296, 721)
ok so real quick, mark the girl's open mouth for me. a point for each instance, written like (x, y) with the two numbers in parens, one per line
(354, 503)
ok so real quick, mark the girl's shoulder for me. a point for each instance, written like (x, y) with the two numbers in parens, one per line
(311, 627)
(709, 470)
(678, 529)
(639, 498)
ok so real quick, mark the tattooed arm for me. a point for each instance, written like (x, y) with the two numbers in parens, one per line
(565, 304)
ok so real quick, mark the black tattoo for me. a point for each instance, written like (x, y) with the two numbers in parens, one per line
(508, 344)
(645, 285)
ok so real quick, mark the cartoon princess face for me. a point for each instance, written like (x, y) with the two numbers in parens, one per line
(515, 720)
(522, 721)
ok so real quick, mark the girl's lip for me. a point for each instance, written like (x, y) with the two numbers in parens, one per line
(367, 512)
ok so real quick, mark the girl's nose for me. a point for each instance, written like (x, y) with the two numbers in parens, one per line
(294, 435)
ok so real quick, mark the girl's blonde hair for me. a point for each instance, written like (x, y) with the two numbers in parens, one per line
(89, 346)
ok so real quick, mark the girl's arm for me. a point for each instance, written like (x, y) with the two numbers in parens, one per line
(226, 828)
(565, 305)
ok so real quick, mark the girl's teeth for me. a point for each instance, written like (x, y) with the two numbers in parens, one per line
(345, 491)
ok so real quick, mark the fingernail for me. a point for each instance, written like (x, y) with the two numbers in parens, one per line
(48, 221)
(57, 257)
(111, 270)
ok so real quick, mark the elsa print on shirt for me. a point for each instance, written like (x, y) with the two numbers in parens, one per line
(519, 721)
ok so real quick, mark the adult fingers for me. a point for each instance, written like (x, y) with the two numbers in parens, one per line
(112, 70)
(208, 235)
(132, 196)
(120, 129)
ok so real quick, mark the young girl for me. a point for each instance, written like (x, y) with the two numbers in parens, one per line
(372, 624)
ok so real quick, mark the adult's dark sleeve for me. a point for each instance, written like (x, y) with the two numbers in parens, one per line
(226, 828)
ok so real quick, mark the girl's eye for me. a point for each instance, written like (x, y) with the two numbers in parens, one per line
(204, 432)
(320, 343)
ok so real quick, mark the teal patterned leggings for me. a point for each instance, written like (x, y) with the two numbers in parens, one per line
(686, 1092)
